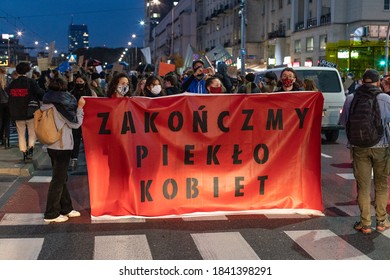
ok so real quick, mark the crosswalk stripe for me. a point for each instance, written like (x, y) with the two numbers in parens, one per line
(118, 221)
(325, 245)
(205, 218)
(326, 156)
(40, 179)
(223, 246)
(20, 248)
(122, 247)
(287, 216)
(353, 210)
(16, 219)
(346, 176)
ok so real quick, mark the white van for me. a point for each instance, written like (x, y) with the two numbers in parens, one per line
(329, 82)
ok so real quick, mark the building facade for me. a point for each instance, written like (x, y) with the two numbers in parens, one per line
(277, 32)
(78, 37)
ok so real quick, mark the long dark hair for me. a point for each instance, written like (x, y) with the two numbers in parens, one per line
(111, 89)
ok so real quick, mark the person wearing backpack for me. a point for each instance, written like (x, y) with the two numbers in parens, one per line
(366, 117)
(68, 115)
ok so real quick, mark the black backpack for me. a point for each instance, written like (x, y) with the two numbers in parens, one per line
(364, 126)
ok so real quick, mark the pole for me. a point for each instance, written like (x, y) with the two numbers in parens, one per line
(173, 10)
(243, 37)
(387, 49)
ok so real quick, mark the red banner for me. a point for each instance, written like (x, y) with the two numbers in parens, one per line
(186, 154)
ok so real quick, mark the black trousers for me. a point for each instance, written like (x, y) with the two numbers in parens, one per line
(58, 197)
(77, 134)
(4, 121)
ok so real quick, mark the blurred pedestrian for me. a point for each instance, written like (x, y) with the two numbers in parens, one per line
(214, 85)
(170, 85)
(68, 115)
(289, 81)
(269, 84)
(309, 84)
(249, 85)
(140, 88)
(22, 91)
(4, 111)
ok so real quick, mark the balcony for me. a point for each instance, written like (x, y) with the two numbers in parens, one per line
(299, 26)
(279, 33)
(325, 19)
(311, 22)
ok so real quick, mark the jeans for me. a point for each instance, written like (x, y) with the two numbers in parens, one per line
(366, 161)
(58, 197)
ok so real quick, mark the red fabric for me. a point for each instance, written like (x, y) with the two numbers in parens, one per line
(259, 162)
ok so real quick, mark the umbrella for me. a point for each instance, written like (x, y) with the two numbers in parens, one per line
(93, 62)
(124, 64)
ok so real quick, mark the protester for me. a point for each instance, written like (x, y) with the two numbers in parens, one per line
(371, 160)
(119, 86)
(153, 87)
(95, 84)
(170, 85)
(80, 89)
(195, 83)
(270, 82)
(68, 115)
(249, 85)
(385, 84)
(289, 81)
(140, 88)
(22, 90)
(222, 74)
(214, 85)
(4, 112)
(309, 84)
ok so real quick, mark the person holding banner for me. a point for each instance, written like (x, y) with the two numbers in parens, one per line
(68, 115)
(119, 86)
(153, 87)
(289, 81)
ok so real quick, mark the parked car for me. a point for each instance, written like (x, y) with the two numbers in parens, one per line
(329, 82)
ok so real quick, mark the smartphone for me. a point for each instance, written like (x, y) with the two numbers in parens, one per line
(205, 71)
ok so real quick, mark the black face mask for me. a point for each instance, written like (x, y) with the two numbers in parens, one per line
(80, 86)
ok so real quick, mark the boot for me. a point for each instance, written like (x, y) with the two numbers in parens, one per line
(25, 156)
(73, 164)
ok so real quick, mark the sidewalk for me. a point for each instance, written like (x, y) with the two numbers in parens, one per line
(11, 161)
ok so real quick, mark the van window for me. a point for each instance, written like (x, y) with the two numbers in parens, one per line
(326, 81)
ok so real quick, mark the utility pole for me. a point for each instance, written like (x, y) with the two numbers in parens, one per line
(243, 36)
(387, 50)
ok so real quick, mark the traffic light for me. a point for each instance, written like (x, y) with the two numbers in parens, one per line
(382, 62)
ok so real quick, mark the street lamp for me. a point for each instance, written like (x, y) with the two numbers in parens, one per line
(243, 39)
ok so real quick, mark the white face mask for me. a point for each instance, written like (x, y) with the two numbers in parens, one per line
(122, 90)
(156, 89)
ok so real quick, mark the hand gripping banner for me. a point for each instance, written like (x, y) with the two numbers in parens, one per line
(196, 154)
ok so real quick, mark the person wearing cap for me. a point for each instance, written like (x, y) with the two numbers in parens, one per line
(196, 82)
(249, 86)
(289, 81)
(269, 84)
(370, 160)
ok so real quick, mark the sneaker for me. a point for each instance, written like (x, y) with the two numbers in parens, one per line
(59, 219)
(360, 227)
(73, 214)
(382, 225)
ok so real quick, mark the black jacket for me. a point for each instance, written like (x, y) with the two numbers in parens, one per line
(21, 91)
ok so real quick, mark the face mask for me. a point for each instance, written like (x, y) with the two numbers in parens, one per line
(156, 89)
(287, 82)
(122, 90)
(215, 89)
(80, 86)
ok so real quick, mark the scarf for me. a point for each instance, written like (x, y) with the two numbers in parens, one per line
(64, 102)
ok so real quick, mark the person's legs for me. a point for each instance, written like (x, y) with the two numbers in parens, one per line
(76, 148)
(21, 128)
(380, 156)
(57, 198)
(362, 171)
(32, 137)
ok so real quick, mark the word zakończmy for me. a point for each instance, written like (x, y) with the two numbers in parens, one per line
(200, 121)
(215, 271)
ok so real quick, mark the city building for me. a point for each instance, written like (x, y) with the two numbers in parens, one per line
(348, 33)
(78, 37)
(11, 52)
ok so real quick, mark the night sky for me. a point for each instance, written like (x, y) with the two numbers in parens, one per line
(110, 23)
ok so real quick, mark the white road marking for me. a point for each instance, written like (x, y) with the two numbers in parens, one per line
(122, 247)
(346, 176)
(223, 246)
(205, 218)
(326, 156)
(20, 248)
(325, 245)
(15, 219)
(40, 179)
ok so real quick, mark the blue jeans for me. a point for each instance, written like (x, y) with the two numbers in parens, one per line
(366, 161)
(58, 197)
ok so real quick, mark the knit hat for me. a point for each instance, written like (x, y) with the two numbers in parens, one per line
(371, 76)
(250, 77)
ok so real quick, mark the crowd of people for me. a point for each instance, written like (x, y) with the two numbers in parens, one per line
(66, 91)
